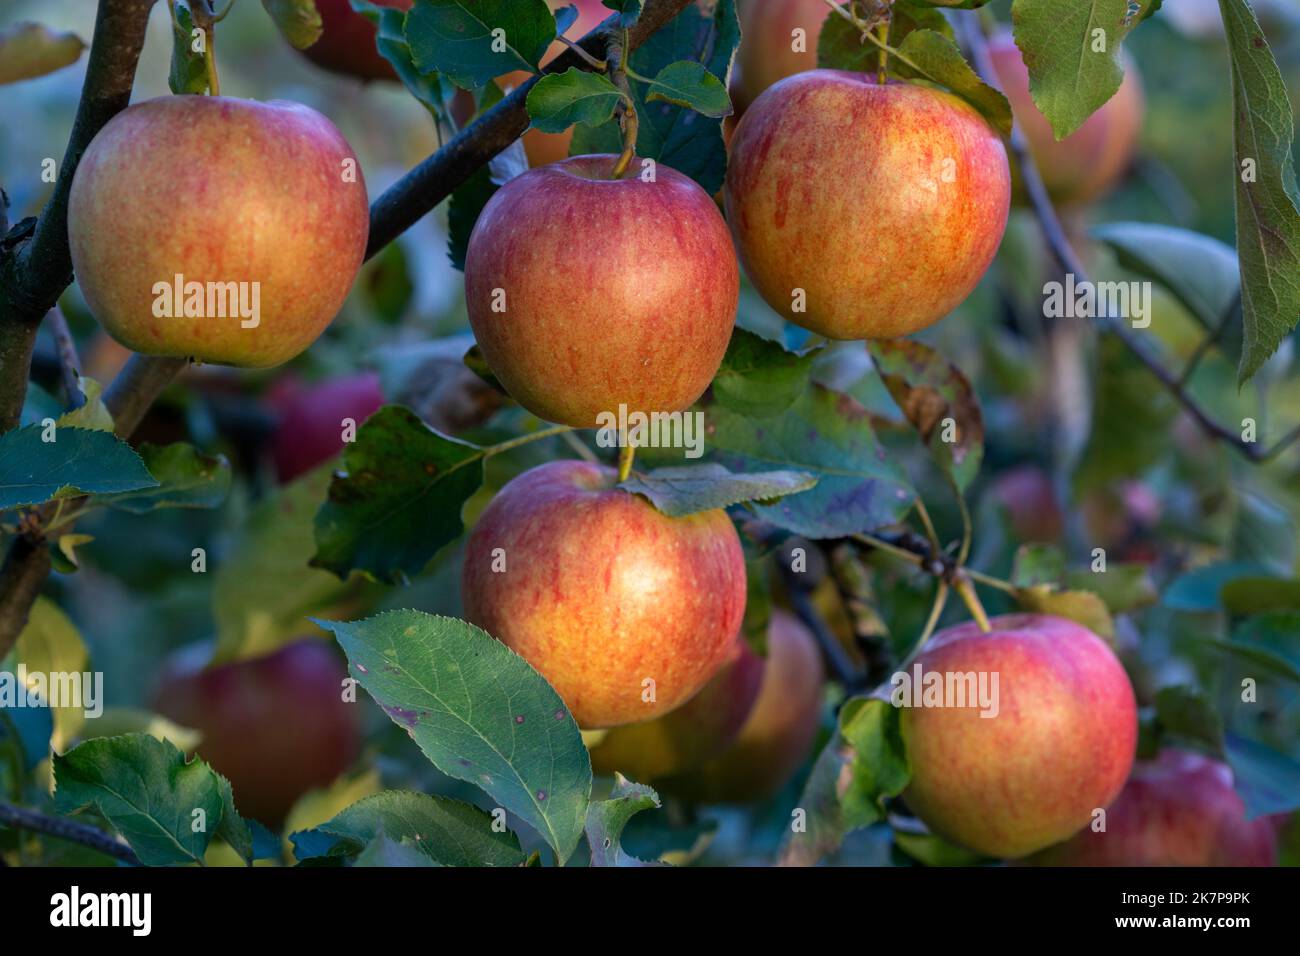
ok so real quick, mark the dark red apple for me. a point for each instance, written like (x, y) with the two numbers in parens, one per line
(310, 425)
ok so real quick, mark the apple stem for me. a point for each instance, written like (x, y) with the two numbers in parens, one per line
(882, 34)
(966, 591)
(631, 123)
(626, 454)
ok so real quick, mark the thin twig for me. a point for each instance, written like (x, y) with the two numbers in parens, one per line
(83, 833)
(69, 361)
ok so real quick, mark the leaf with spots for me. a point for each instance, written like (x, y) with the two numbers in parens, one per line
(826, 434)
(937, 399)
(479, 712)
(607, 818)
(689, 489)
(398, 498)
(443, 830)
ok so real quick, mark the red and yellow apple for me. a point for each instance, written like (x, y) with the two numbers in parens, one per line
(770, 49)
(309, 426)
(1177, 810)
(1091, 160)
(276, 726)
(626, 611)
(779, 732)
(1057, 747)
(219, 229)
(347, 41)
(865, 210)
(586, 292)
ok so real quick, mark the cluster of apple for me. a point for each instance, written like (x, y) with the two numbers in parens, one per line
(860, 209)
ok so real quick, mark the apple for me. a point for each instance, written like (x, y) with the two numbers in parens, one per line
(1179, 809)
(861, 209)
(779, 732)
(256, 211)
(276, 726)
(309, 429)
(1092, 159)
(1026, 496)
(769, 48)
(587, 292)
(1058, 747)
(683, 739)
(347, 41)
(626, 611)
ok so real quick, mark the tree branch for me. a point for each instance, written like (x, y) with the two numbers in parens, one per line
(137, 387)
(65, 829)
(69, 361)
(970, 28)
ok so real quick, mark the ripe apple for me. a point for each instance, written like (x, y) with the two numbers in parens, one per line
(276, 726)
(1026, 495)
(347, 41)
(1177, 810)
(768, 45)
(586, 293)
(701, 728)
(259, 207)
(865, 210)
(776, 738)
(1059, 746)
(310, 426)
(626, 611)
(1091, 160)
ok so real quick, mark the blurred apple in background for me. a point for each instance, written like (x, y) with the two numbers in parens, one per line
(309, 430)
(347, 41)
(768, 45)
(1025, 496)
(276, 726)
(1177, 810)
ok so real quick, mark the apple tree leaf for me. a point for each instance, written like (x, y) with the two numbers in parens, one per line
(1122, 587)
(1267, 781)
(629, 11)
(607, 818)
(189, 69)
(1071, 48)
(1267, 198)
(689, 489)
(759, 377)
(298, 21)
(930, 55)
(29, 50)
(78, 460)
(1256, 595)
(431, 89)
(398, 498)
(147, 790)
(479, 712)
(441, 829)
(688, 83)
(559, 100)
(1082, 607)
(186, 478)
(473, 41)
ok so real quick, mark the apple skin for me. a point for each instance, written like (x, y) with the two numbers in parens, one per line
(616, 291)
(218, 190)
(276, 726)
(1060, 747)
(766, 53)
(1091, 160)
(701, 728)
(601, 591)
(347, 41)
(1177, 810)
(779, 732)
(310, 426)
(836, 186)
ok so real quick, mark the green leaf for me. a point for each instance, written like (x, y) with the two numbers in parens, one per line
(930, 55)
(1254, 595)
(25, 734)
(559, 100)
(1268, 206)
(688, 83)
(186, 479)
(1037, 564)
(1267, 781)
(297, 20)
(1083, 607)
(689, 489)
(671, 134)
(384, 852)
(147, 791)
(758, 377)
(93, 414)
(1270, 640)
(1123, 587)
(430, 89)
(234, 829)
(79, 460)
(479, 712)
(50, 644)
(1131, 418)
(1199, 590)
(826, 434)
(443, 830)
(398, 500)
(1071, 49)
(1185, 714)
(474, 41)
(29, 50)
(189, 69)
(629, 11)
(264, 588)
(607, 818)
(938, 400)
